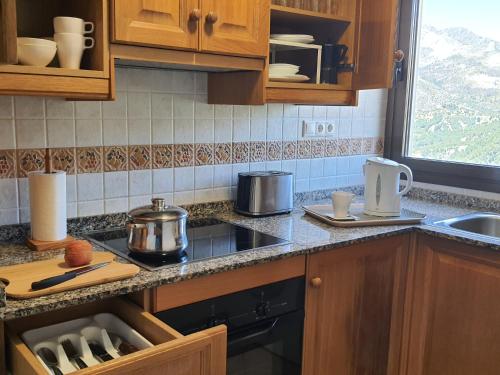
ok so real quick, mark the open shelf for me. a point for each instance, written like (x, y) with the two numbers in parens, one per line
(281, 45)
(295, 15)
(52, 71)
(308, 86)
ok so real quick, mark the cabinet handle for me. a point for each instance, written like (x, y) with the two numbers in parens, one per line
(195, 15)
(399, 55)
(316, 282)
(212, 17)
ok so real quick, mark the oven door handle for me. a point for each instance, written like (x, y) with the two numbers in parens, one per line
(250, 334)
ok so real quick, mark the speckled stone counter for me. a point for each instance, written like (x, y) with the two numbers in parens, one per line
(306, 235)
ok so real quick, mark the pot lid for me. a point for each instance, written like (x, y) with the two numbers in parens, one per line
(382, 161)
(158, 211)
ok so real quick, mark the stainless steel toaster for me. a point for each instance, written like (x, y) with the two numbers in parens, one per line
(264, 193)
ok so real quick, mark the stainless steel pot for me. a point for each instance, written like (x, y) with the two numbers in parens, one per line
(157, 229)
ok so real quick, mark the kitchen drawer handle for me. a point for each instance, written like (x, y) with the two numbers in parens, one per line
(195, 15)
(316, 282)
(212, 17)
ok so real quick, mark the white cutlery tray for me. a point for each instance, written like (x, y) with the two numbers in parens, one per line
(80, 332)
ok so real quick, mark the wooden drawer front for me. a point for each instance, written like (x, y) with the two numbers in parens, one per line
(202, 353)
(186, 292)
(241, 28)
(163, 23)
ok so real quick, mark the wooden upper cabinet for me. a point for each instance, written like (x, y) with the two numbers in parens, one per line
(235, 27)
(161, 23)
(376, 35)
(453, 313)
(354, 308)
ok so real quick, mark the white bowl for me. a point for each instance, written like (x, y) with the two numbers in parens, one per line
(36, 54)
(36, 41)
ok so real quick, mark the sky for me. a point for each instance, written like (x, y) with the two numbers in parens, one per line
(480, 16)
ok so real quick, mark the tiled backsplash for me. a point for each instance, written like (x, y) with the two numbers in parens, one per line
(161, 138)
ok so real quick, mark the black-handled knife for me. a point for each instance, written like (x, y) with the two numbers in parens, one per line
(54, 280)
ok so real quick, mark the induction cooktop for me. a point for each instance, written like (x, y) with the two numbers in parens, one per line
(207, 238)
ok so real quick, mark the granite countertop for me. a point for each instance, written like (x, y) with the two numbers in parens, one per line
(306, 235)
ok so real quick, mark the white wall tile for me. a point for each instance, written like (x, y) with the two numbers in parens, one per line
(88, 132)
(222, 176)
(71, 210)
(345, 112)
(184, 197)
(61, 133)
(121, 78)
(9, 216)
(90, 186)
(201, 82)
(163, 180)
(140, 182)
(183, 131)
(342, 165)
(290, 110)
(114, 132)
(7, 134)
(319, 112)
(6, 107)
(344, 128)
(241, 111)
(290, 129)
(258, 129)
(90, 208)
(162, 80)
(303, 168)
(162, 106)
(183, 106)
(58, 108)
(357, 128)
(203, 110)
(223, 111)
(8, 193)
(241, 130)
(274, 165)
(30, 133)
(332, 113)
(116, 184)
(139, 131)
(139, 79)
(301, 186)
(274, 129)
(223, 130)
(203, 177)
(258, 166)
(183, 81)
(239, 168)
(162, 131)
(204, 131)
(289, 166)
(258, 111)
(115, 109)
(139, 201)
(306, 111)
(29, 107)
(88, 110)
(24, 192)
(317, 168)
(183, 179)
(117, 205)
(330, 167)
(71, 195)
(138, 105)
(275, 110)
(25, 215)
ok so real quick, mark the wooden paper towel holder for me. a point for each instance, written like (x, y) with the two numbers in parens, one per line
(36, 245)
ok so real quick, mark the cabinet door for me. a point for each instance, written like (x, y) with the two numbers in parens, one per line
(354, 304)
(454, 314)
(376, 35)
(235, 27)
(161, 23)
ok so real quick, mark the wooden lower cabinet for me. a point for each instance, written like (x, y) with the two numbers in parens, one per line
(453, 314)
(202, 353)
(354, 308)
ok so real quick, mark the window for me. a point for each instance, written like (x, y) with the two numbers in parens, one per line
(444, 117)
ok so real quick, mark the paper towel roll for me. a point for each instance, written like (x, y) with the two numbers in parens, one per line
(48, 206)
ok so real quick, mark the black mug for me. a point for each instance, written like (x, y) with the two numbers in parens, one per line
(333, 56)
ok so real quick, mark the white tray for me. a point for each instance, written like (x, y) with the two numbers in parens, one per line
(324, 212)
(80, 332)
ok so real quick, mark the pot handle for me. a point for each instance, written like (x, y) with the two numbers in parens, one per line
(409, 178)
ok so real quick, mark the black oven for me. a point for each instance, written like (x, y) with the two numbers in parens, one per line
(265, 326)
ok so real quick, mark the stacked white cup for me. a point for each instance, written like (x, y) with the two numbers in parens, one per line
(71, 40)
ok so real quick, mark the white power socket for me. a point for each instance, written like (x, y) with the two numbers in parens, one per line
(312, 129)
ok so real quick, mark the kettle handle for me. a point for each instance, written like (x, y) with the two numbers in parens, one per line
(409, 178)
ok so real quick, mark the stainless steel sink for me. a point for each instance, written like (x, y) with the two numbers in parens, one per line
(485, 223)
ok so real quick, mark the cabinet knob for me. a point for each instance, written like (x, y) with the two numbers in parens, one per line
(399, 55)
(316, 282)
(212, 17)
(195, 15)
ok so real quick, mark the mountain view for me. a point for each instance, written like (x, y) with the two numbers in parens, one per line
(457, 108)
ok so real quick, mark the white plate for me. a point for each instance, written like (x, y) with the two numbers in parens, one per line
(290, 78)
(297, 38)
(283, 72)
(283, 65)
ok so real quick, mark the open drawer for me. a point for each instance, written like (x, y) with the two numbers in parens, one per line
(202, 353)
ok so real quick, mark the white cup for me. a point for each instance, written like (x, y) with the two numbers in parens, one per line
(72, 25)
(341, 203)
(70, 49)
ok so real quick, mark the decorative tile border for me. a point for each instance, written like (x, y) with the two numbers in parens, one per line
(18, 163)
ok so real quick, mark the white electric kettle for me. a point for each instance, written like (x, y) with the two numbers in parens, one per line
(382, 195)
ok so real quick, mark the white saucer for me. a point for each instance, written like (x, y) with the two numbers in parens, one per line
(344, 218)
(290, 78)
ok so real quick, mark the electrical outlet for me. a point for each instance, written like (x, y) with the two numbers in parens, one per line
(308, 129)
(320, 129)
(329, 129)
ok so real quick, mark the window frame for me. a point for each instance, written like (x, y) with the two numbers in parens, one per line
(469, 176)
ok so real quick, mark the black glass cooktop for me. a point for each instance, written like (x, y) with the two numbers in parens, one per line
(207, 238)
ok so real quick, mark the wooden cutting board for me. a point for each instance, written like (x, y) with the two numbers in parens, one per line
(20, 276)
